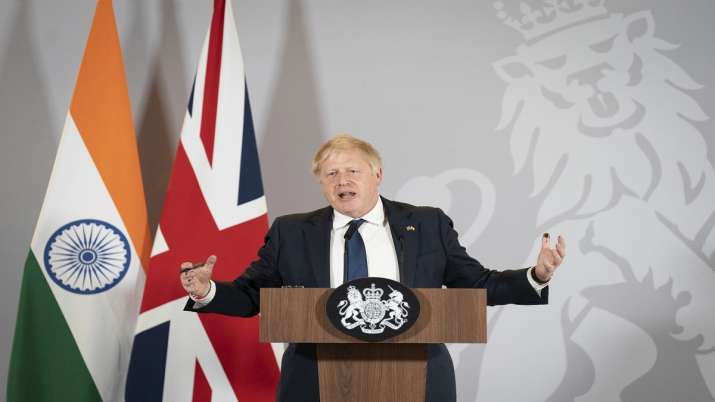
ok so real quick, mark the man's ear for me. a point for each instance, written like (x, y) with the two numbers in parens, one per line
(378, 173)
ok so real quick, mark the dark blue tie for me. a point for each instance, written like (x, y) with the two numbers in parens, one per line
(356, 258)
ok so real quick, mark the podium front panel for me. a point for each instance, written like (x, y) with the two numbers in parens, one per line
(297, 315)
(372, 372)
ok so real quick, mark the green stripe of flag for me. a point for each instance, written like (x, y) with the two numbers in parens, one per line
(46, 364)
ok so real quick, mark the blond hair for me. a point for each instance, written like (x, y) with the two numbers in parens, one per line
(346, 142)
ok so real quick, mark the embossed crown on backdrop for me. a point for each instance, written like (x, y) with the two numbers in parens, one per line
(535, 19)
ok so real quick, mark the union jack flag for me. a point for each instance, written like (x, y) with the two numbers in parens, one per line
(214, 205)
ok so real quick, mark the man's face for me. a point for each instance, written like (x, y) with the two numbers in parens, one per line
(348, 183)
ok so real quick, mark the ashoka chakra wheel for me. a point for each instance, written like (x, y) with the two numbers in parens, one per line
(87, 256)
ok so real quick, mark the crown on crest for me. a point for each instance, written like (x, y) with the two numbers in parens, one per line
(373, 293)
(540, 17)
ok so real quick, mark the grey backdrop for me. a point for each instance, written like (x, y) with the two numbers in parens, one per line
(597, 129)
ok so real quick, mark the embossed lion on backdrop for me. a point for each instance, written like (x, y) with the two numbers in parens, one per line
(603, 106)
(607, 123)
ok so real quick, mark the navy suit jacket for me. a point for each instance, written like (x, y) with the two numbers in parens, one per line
(297, 252)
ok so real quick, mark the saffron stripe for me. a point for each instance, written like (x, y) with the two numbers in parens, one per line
(102, 112)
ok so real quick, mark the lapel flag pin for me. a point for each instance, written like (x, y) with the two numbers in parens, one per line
(410, 228)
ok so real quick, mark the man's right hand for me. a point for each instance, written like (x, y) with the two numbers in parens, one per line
(196, 278)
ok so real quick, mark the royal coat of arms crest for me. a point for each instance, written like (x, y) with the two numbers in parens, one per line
(357, 309)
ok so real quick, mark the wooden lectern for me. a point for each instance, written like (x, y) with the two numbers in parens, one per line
(351, 370)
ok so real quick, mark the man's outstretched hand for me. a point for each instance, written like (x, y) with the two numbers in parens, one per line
(549, 258)
(196, 278)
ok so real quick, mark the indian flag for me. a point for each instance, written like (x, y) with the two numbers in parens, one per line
(83, 278)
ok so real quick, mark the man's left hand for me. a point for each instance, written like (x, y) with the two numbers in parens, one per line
(549, 258)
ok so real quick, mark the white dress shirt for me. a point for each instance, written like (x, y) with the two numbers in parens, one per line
(379, 247)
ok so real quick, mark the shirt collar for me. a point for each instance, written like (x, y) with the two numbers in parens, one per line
(375, 216)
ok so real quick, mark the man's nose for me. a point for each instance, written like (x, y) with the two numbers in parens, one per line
(342, 178)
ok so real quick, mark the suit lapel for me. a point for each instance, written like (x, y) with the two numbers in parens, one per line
(317, 237)
(404, 235)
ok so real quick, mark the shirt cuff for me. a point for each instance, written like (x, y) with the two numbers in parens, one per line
(537, 286)
(200, 302)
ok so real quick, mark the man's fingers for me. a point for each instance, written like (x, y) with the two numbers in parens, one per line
(193, 277)
(553, 261)
(561, 251)
(545, 241)
(551, 258)
(561, 244)
(187, 267)
(210, 261)
(557, 260)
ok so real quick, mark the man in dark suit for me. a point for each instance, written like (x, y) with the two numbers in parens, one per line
(415, 245)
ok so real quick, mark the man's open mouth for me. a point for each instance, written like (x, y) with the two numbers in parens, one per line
(346, 195)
